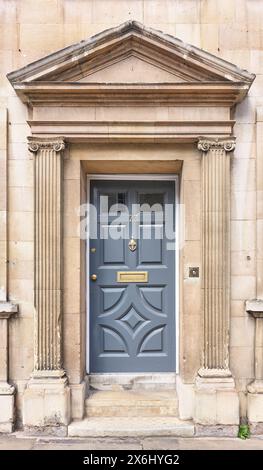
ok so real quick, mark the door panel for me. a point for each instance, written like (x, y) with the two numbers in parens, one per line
(150, 250)
(132, 324)
(113, 250)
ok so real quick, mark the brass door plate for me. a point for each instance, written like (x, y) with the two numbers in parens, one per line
(132, 276)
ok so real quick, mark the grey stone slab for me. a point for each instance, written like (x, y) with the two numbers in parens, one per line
(89, 444)
(13, 443)
(198, 443)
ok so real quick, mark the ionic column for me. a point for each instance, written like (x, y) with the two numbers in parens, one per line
(216, 254)
(48, 373)
(48, 256)
(214, 378)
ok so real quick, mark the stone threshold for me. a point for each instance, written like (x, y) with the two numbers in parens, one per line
(131, 381)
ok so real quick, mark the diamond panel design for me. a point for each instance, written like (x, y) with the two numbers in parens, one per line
(132, 319)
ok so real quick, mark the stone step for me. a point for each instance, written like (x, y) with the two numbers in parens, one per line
(131, 427)
(127, 381)
(131, 403)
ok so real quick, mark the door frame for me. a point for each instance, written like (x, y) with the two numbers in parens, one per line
(138, 177)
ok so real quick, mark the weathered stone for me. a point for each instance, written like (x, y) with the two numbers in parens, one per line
(133, 403)
(256, 428)
(216, 430)
(255, 407)
(109, 132)
(58, 431)
(46, 403)
(216, 250)
(131, 427)
(78, 393)
(186, 399)
(7, 412)
(216, 401)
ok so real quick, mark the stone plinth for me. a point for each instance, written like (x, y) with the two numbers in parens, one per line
(255, 389)
(7, 391)
(216, 401)
(47, 402)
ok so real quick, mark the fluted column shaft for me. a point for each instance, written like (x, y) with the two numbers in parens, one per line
(216, 254)
(48, 254)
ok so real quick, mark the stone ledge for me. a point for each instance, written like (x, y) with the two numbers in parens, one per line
(6, 388)
(7, 309)
(255, 307)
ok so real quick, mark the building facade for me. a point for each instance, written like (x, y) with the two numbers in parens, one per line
(141, 101)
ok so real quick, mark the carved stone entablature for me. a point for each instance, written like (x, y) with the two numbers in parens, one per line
(58, 145)
(76, 73)
(130, 65)
(228, 145)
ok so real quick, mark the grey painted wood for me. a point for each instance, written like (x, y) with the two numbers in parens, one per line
(132, 325)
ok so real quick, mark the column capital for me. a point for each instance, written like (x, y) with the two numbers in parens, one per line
(56, 144)
(205, 144)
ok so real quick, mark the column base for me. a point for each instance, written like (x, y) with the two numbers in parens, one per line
(7, 408)
(255, 406)
(46, 402)
(216, 399)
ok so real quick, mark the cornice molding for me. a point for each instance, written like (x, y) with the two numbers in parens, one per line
(197, 77)
(123, 94)
(130, 131)
(193, 57)
(57, 145)
(228, 145)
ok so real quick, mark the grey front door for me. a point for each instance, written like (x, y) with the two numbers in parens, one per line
(132, 264)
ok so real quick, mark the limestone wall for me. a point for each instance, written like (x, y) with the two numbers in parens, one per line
(30, 29)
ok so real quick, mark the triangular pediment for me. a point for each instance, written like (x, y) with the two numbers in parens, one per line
(131, 69)
(130, 53)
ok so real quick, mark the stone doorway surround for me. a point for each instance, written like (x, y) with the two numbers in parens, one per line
(134, 98)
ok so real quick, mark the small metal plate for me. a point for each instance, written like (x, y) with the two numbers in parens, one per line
(132, 276)
(194, 272)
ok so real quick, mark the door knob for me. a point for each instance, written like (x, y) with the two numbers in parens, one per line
(93, 277)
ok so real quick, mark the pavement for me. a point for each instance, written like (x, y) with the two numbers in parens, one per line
(19, 441)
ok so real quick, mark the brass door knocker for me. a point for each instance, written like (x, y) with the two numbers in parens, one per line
(132, 244)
